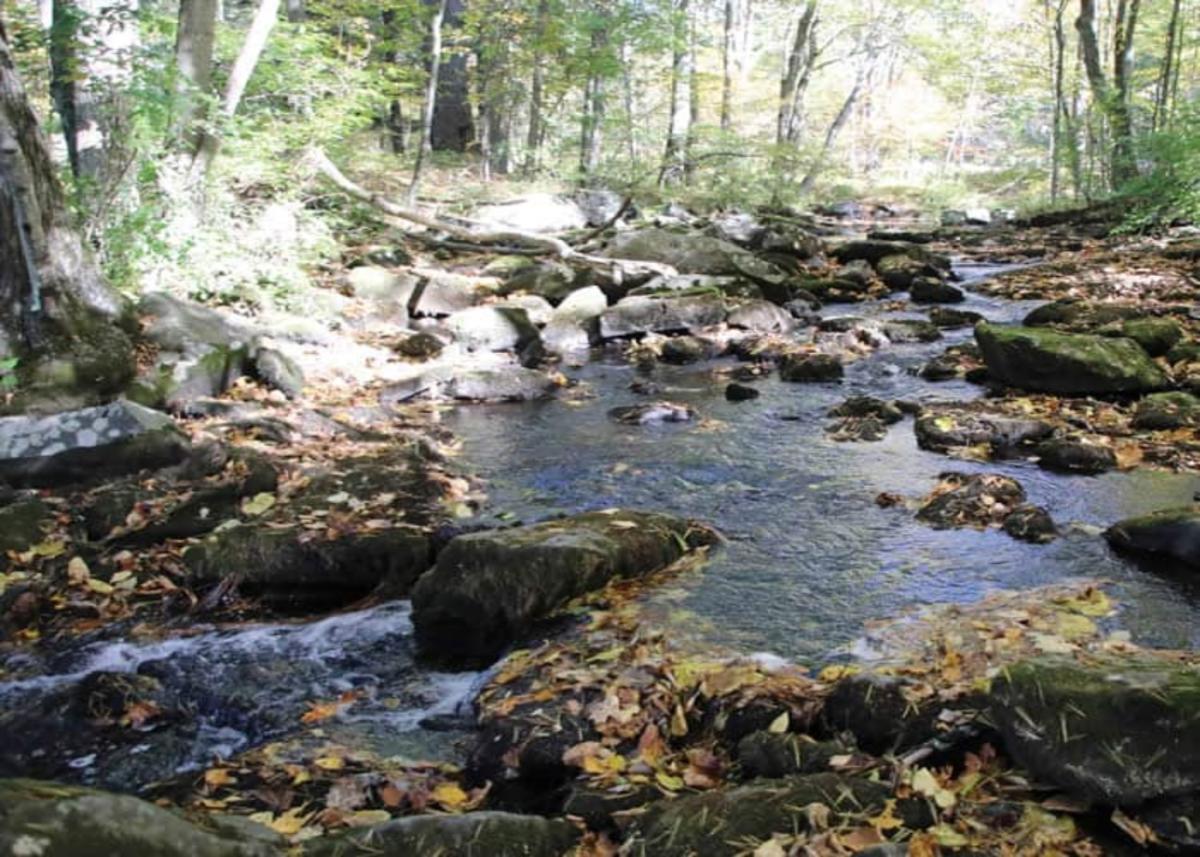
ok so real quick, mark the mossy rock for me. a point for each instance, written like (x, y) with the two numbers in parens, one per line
(772, 756)
(21, 525)
(806, 368)
(1116, 729)
(1156, 335)
(487, 588)
(51, 820)
(1164, 411)
(1081, 315)
(1171, 533)
(1067, 363)
(1185, 352)
(733, 821)
(476, 834)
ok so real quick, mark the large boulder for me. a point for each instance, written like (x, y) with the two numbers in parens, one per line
(1164, 411)
(943, 430)
(89, 444)
(636, 316)
(688, 253)
(801, 367)
(574, 324)
(1066, 363)
(492, 328)
(550, 280)
(722, 822)
(200, 352)
(1170, 534)
(761, 317)
(52, 820)
(536, 212)
(475, 834)
(1119, 730)
(487, 588)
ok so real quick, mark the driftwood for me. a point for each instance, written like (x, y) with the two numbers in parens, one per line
(479, 235)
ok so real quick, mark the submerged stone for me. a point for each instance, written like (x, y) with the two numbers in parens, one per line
(1170, 533)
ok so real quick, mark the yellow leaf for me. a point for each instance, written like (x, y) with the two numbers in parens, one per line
(948, 837)
(679, 724)
(258, 504)
(215, 777)
(48, 549)
(290, 823)
(669, 782)
(330, 763)
(100, 586)
(836, 673)
(886, 820)
(449, 796)
(780, 724)
(77, 571)
(1075, 627)
(367, 817)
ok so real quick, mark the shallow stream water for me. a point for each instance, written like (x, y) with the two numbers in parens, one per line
(810, 557)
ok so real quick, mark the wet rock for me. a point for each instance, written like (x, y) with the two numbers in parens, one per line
(602, 206)
(1175, 821)
(902, 236)
(651, 414)
(1065, 363)
(536, 308)
(508, 266)
(859, 271)
(1075, 455)
(947, 318)
(931, 290)
(1081, 315)
(279, 372)
(288, 567)
(1164, 411)
(1119, 730)
(806, 368)
(873, 252)
(492, 328)
(475, 834)
(52, 820)
(761, 317)
(738, 227)
(420, 346)
(1029, 523)
(1171, 534)
(941, 431)
(910, 330)
(771, 755)
(552, 281)
(698, 284)
(682, 350)
(740, 393)
(971, 500)
(719, 823)
(87, 445)
(488, 588)
(507, 384)
(868, 406)
(885, 714)
(22, 524)
(942, 368)
(899, 272)
(200, 352)
(636, 316)
(434, 293)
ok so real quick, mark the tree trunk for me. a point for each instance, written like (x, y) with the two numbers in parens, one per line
(1162, 93)
(1113, 101)
(239, 77)
(594, 104)
(92, 44)
(453, 127)
(536, 134)
(56, 308)
(194, 55)
(675, 156)
(797, 75)
(425, 149)
(839, 121)
(727, 62)
(395, 124)
(296, 13)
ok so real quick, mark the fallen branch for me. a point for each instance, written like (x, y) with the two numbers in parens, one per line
(619, 270)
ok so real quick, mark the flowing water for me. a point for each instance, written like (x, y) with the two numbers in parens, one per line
(810, 556)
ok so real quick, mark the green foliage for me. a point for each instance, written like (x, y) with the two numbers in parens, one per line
(1171, 189)
(8, 374)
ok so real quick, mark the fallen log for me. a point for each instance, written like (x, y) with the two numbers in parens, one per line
(618, 270)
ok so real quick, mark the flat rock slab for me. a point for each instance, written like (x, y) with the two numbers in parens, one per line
(1067, 363)
(487, 588)
(88, 444)
(1119, 730)
(636, 316)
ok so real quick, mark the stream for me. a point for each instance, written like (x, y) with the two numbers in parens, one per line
(810, 557)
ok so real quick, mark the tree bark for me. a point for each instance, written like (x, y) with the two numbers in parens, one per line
(727, 62)
(239, 77)
(194, 41)
(537, 85)
(1162, 103)
(53, 301)
(595, 98)
(296, 13)
(453, 127)
(425, 148)
(1113, 100)
(797, 75)
(91, 52)
(676, 155)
